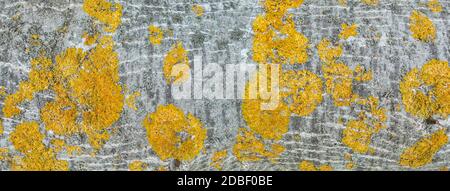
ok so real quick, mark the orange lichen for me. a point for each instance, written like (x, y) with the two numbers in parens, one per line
(156, 35)
(435, 6)
(425, 92)
(172, 134)
(303, 90)
(130, 100)
(309, 166)
(176, 55)
(218, 158)
(422, 152)
(137, 166)
(28, 140)
(348, 31)
(249, 148)
(421, 27)
(198, 10)
(104, 11)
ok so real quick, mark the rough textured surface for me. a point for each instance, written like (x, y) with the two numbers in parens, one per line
(223, 34)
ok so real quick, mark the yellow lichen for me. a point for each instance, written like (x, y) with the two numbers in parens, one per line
(435, 6)
(130, 100)
(327, 52)
(87, 80)
(60, 145)
(198, 10)
(172, 134)
(156, 35)
(422, 28)
(4, 154)
(276, 39)
(303, 90)
(104, 11)
(270, 124)
(358, 133)
(309, 166)
(28, 140)
(218, 158)
(350, 165)
(342, 3)
(339, 83)
(90, 39)
(137, 166)
(370, 2)
(249, 148)
(426, 92)
(176, 55)
(422, 152)
(348, 31)
(2, 91)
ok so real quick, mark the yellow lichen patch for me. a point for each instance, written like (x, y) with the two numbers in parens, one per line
(289, 46)
(28, 140)
(249, 148)
(358, 133)
(39, 80)
(156, 35)
(218, 158)
(327, 52)
(90, 39)
(370, 2)
(131, 100)
(421, 27)
(270, 124)
(426, 92)
(348, 31)
(339, 83)
(342, 3)
(350, 165)
(104, 11)
(4, 154)
(60, 145)
(2, 91)
(302, 90)
(435, 6)
(137, 166)
(198, 10)
(422, 152)
(1, 127)
(357, 136)
(176, 55)
(86, 87)
(172, 134)
(361, 74)
(309, 166)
